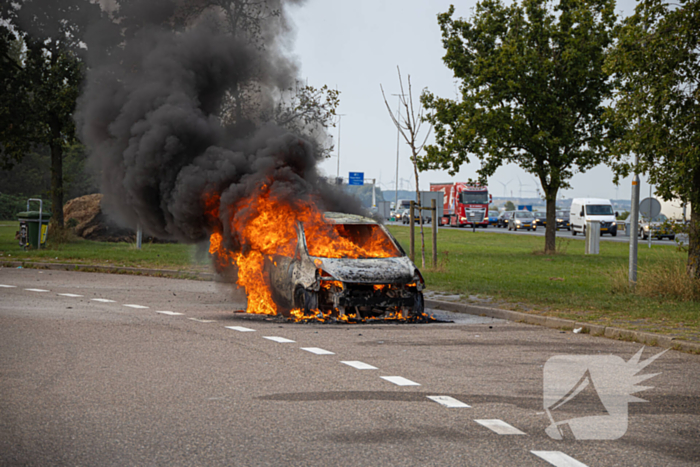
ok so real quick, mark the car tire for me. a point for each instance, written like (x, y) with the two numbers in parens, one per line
(672, 237)
(418, 305)
(534, 229)
(573, 232)
(614, 234)
(305, 300)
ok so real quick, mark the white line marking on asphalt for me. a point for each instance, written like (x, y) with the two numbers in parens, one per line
(240, 329)
(8, 286)
(281, 340)
(400, 381)
(500, 427)
(102, 300)
(136, 306)
(169, 313)
(317, 351)
(37, 290)
(69, 295)
(448, 401)
(558, 458)
(360, 365)
(202, 320)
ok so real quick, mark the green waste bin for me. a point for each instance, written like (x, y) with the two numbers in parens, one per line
(29, 228)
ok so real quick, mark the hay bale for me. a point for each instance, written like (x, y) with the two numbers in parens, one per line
(91, 223)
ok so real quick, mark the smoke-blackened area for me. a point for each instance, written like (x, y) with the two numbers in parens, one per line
(173, 113)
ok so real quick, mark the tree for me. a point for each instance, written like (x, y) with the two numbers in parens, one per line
(410, 128)
(50, 71)
(532, 91)
(657, 106)
(509, 206)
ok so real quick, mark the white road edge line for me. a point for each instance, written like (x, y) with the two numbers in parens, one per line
(69, 295)
(240, 328)
(37, 290)
(170, 313)
(448, 401)
(102, 300)
(280, 340)
(8, 286)
(558, 459)
(500, 427)
(400, 381)
(140, 307)
(202, 320)
(317, 351)
(360, 365)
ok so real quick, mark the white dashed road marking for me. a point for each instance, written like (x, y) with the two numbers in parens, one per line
(69, 295)
(400, 381)
(558, 458)
(360, 365)
(202, 320)
(500, 427)
(448, 401)
(169, 313)
(240, 329)
(317, 351)
(136, 306)
(281, 340)
(8, 286)
(102, 300)
(37, 290)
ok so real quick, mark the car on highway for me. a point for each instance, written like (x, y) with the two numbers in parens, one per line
(540, 218)
(563, 221)
(503, 219)
(376, 280)
(522, 220)
(660, 227)
(493, 217)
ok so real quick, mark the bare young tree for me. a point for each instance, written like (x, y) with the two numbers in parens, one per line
(409, 125)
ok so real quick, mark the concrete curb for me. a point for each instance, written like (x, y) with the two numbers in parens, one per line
(646, 338)
(110, 269)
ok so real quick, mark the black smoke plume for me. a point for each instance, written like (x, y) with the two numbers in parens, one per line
(171, 111)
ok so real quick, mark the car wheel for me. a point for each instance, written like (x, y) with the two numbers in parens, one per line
(418, 305)
(573, 232)
(534, 229)
(672, 237)
(614, 234)
(305, 300)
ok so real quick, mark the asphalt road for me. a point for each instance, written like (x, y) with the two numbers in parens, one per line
(154, 376)
(620, 238)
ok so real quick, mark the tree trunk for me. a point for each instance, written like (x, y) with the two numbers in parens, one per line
(420, 211)
(693, 266)
(56, 174)
(550, 232)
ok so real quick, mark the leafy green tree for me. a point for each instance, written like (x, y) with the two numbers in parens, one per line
(510, 206)
(532, 91)
(50, 71)
(657, 110)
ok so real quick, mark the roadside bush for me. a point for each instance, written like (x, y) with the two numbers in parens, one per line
(10, 205)
(668, 280)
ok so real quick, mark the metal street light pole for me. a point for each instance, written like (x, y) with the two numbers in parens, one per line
(634, 225)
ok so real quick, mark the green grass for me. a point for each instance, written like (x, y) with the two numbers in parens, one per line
(508, 269)
(511, 270)
(154, 256)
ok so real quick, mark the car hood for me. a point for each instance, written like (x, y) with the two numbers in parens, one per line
(374, 271)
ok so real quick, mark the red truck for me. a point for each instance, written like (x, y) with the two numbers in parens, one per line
(464, 204)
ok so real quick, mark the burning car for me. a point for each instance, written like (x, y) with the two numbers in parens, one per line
(370, 278)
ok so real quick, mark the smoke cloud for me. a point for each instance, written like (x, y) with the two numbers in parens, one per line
(172, 110)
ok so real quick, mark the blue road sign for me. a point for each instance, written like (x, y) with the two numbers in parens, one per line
(356, 178)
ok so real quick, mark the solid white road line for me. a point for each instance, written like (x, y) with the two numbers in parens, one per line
(500, 427)
(136, 306)
(102, 300)
(281, 340)
(169, 313)
(448, 401)
(317, 351)
(360, 365)
(37, 290)
(69, 295)
(202, 320)
(400, 381)
(240, 329)
(8, 286)
(558, 458)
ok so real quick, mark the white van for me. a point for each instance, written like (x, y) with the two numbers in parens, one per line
(593, 209)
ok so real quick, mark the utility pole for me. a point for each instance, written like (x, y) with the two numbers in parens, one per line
(634, 225)
(340, 116)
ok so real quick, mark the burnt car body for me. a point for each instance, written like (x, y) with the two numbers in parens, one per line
(363, 287)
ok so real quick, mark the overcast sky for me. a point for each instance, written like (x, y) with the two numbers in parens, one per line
(355, 45)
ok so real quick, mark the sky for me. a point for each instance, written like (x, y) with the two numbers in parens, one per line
(356, 45)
